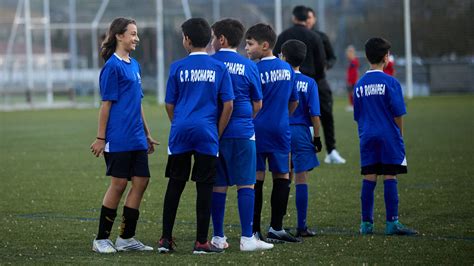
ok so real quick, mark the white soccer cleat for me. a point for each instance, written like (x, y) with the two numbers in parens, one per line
(130, 244)
(253, 243)
(334, 158)
(220, 242)
(104, 246)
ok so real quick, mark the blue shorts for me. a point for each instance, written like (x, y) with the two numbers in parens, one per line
(236, 164)
(278, 162)
(303, 153)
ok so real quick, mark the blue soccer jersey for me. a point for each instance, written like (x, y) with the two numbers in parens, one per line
(308, 100)
(195, 86)
(378, 99)
(247, 88)
(120, 83)
(272, 126)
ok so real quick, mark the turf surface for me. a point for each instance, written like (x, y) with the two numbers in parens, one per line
(51, 190)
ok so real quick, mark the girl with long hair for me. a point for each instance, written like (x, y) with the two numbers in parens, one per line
(123, 137)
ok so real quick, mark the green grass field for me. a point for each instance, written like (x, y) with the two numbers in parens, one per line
(51, 190)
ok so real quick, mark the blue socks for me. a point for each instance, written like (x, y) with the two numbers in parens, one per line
(246, 199)
(302, 204)
(391, 199)
(367, 200)
(390, 196)
(217, 211)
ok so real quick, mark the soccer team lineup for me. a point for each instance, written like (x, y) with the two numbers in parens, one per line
(238, 120)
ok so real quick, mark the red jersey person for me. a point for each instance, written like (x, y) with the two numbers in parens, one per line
(352, 75)
(390, 67)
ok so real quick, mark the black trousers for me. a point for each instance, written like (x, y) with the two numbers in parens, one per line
(327, 119)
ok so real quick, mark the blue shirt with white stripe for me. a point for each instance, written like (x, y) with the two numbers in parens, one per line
(247, 88)
(120, 83)
(308, 100)
(196, 85)
(378, 99)
(272, 128)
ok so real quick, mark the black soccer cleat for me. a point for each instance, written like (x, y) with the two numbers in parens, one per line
(281, 236)
(166, 245)
(305, 232)
(206, 248)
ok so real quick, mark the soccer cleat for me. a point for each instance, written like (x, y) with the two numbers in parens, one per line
(104, 246)
(166, 245)
(253, 243)
(281, 236)
(130, 244)
(305, 232)
(220, 242)
(366, 228)
(397, 228)
(334, 157)
(206, 248)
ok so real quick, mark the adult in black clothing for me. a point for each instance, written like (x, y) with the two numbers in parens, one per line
(314, 66)
(314, 62)
(330, 56)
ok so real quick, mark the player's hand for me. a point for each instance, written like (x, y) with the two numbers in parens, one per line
(97, 147)
(151, 144)
(317, 144)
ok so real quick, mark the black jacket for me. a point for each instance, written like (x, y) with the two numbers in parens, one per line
(315, 60)
(330, 56)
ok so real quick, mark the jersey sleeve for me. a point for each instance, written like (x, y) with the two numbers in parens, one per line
(108, 80)
(313, 100)
(226, 91)
(172, 91)
(255, 85)
(397, 105)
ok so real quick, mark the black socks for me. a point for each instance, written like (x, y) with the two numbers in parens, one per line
(106, 221)
(203, 210)
(279, 202)
(129, 222)
(257, 211)
(172, 196)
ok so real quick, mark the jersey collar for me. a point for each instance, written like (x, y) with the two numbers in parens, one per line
(373, 70)
(121, 59)
(298, 72)
(228, 50)
(198, 53)
(268, 58)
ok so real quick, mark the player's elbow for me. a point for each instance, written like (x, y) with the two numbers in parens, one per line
(257, 106)
(229, 106)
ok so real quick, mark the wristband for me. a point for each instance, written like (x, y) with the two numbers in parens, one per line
(100, 138)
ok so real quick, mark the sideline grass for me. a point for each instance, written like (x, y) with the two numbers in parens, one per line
(51, 189)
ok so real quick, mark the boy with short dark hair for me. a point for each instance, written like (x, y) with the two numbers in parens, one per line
(236, 164)
(378, 110)
(272, 128)
(303, 146)
(195, 87)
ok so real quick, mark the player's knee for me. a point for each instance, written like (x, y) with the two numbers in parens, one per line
(140, 183)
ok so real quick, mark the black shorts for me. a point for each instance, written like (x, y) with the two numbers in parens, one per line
(127, 164)
(383, 169)
(204, 168)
